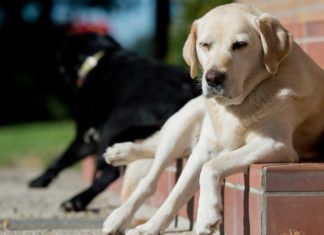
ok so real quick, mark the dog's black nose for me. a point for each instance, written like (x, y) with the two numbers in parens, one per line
(215, 78)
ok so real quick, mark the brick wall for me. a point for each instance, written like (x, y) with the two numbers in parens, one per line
(303, 18)
(275, 199)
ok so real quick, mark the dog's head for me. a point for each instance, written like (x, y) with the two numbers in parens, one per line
(80, 53)
(237, 46)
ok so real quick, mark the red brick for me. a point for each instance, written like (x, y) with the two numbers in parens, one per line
(304, 177)
(285, 202)
(235, 179)
(116, 185)
(296, 29)
(233, 211)
(255, 212)
(88, 168)
(164, 188)
(304, 47)
(315, 29)
(316, 51)
(229, 210)
(241, 212)
(255, 176)
(291, 11)
(290, 214)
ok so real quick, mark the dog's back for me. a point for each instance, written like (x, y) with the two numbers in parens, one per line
(122, 79)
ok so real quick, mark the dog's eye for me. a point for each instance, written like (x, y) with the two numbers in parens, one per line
(239, 45)
(205, 45)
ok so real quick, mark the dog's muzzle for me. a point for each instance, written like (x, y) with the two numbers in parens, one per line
(215, 83)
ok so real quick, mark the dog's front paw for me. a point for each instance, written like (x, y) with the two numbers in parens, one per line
(116, 222)
(42, 181)
(119, 154)
(74, 204)
(208, 223)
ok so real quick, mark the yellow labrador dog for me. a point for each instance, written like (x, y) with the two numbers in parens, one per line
(263, 102)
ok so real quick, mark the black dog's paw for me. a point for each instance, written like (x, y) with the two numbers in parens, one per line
(74, 204)
(41, 181)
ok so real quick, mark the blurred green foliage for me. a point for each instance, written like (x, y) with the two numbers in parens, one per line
(180, 27)
(34, 144)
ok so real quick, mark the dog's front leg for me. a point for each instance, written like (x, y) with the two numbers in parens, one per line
(75, 152)
(186, 186)
(127, 152)
(213, 173)
(177, 135)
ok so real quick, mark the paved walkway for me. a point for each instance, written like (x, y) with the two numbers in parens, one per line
(25, 211)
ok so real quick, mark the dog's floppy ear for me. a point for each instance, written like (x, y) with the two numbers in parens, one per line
(189, 50)
(276, 41)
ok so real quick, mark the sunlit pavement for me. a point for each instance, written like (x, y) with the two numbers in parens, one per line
(25, 211)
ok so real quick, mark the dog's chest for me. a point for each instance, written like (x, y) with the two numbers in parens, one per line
(230, 133)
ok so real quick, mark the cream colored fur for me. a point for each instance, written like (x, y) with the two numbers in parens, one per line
(270, 110)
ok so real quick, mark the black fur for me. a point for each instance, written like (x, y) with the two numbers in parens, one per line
(125, 97)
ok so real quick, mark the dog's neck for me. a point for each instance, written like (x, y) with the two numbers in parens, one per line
(256, 102)
(87, 66)
(254, 79)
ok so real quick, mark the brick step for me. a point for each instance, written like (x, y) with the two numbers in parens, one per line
(272, 199)
(275, 199)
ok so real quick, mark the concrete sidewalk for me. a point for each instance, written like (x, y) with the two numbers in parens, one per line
(25, 211)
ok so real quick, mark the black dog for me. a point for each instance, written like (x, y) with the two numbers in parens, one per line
(120, 96)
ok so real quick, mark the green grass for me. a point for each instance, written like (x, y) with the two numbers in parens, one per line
(34, 144)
